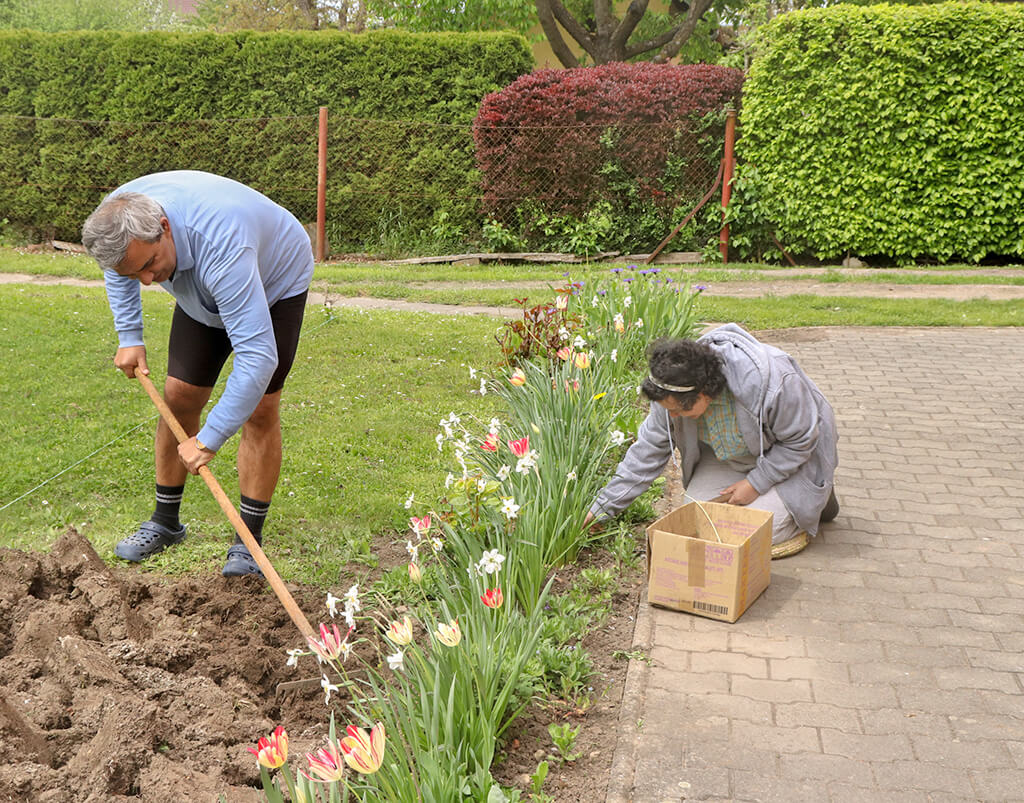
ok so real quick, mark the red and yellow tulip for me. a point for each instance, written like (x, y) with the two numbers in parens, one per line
(364, 752)
(272, 751)
(326, 765)
(493, 598)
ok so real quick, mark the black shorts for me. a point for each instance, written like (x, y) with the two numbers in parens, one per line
(197, 352)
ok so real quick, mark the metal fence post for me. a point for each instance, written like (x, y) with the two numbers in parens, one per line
(727, 165)
(321, 188)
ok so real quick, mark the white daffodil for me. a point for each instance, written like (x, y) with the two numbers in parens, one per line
(483, 387)
(472, 373)
(509, 507)
(293, 657)
(570, 477)
(614, 355)
(627, 301)
(396, 661)
(328, 687)
(409, 501)
(352, 598)
(579, 342)
(618, 438)
(490, 562)
(495, 426)
(449, 480)
(503, 473)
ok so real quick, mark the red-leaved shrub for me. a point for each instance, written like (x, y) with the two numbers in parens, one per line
(556, 138)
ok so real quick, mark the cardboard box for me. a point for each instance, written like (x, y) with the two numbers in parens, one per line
(713, 563)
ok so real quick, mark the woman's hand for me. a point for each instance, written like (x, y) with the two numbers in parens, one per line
(740, 493)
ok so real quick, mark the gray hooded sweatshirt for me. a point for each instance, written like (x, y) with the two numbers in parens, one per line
(785, 421)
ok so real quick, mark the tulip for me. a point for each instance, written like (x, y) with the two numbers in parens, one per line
(327, 764)
(415, 574)
(420, 525)
(401, 632)
(582, 360)
(364, 752)
(493, 598)
(272, 751)
(520, 447)
(490, 442)
(330, 644)
(449, 634)
(518, 377)
(561, 302)
(564, 353)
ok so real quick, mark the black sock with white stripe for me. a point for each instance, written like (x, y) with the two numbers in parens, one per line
(254, 513)
(168, 503)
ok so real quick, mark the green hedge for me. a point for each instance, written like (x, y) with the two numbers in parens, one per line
(54, 170)
(892, 131)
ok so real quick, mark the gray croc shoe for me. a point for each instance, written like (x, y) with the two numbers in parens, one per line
(148, 540)
(240, 562)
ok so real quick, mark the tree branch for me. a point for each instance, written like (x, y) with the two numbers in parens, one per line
(604, 17)
(684, 31)
(571, 25)
(554, 35)
(621, 34)
(650, 44)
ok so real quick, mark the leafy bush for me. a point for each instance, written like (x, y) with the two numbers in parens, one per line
(400, 105)
(889, 130)
(602, 157)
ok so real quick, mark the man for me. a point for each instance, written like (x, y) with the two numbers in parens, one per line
(239, 267)
(751, 429)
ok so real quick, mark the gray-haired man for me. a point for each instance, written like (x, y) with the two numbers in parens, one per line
(239, 267)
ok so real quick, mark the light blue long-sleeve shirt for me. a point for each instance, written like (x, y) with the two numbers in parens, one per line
(238, 253)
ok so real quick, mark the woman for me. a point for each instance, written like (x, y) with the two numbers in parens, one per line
(751, 429)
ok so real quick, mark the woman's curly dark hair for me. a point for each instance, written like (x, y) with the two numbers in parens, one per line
(686, 363)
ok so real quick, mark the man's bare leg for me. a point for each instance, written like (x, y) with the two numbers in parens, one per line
(164, 528)
(186, 402)
(259, 450)
(259, 466)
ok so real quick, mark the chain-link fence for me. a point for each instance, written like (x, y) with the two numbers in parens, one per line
(393, 187)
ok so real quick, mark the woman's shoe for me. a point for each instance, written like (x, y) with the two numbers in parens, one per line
(790, 546)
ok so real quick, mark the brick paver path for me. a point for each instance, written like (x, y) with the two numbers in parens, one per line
(883, 663)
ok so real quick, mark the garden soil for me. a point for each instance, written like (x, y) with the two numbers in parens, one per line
(119, 685)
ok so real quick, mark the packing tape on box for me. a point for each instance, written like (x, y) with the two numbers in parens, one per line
(695, 563)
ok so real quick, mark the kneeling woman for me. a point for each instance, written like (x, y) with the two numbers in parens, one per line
(750, 426)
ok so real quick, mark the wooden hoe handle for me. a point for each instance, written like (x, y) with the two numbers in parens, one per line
(233, 516)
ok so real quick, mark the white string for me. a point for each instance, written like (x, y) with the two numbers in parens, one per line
(702, 510)
(66, 470)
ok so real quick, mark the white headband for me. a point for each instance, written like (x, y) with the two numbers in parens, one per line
(672, 388)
